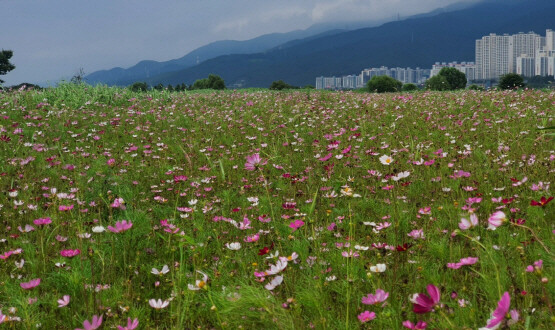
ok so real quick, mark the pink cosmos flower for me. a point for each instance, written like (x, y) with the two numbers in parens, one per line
(496, 220)
(326, 157)
(499, 313)
(130, 324)
(462, 262)
(95, 324)
(372, 299)
(416, 234)
(65, 207)
(466, 224)
(70, 253)
(118, 203)
(296, 224)
(64, 301)
(253, 162)
(537, 266)
(3, 317)
(423, 303)
(31, 284)
(253, 238)
(366, 316)
(419, 325)
(42, 221)
(121, 226)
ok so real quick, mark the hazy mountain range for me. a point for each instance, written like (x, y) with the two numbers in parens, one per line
(298, 57)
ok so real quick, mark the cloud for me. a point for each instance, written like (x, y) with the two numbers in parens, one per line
(265, 17)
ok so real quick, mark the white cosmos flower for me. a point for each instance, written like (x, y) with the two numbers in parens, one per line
(158, 304)
(20, 263)
(275, 282)
(331, 278)
(360, 247)
(98, 229)
(379, 268)
(164, 270)
(233, 246)
(199, 284)
(278, 267)
(386, 160)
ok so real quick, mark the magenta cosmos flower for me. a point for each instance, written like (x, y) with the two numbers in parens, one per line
(423, 303)
(366, 316)
(70, 253)
(501, 311)
(42, 221)
(419, 325)
(253, 162)
(31, 284)
(121, 226)
(95, 323)
(130, 324)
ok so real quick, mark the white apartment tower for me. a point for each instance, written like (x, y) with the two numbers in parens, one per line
(549, 39)
(523, 44)
(493, 56)
(528, 54)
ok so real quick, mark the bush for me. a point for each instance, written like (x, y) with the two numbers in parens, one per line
(409, 87)
(383, 84)
(455, 78)
(438, 83)
(280, 85)
(475, 87)
(139, 87)
(511, 81)
(212, 82)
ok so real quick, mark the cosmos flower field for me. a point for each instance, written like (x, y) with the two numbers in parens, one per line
(276, 210)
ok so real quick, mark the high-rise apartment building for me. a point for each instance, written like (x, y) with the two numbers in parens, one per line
(493, 56)
(528, 54)
(523, 44)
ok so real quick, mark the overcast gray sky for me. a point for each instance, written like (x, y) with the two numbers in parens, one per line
(52, 39)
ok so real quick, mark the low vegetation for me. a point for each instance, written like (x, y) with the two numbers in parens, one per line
(296, 210)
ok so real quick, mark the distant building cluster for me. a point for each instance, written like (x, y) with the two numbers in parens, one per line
(468, 68)
(404, 75)
(527, 54)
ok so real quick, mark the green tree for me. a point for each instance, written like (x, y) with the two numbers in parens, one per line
(280, 85)
(79, 77)
(139, 87)
(201, 84)
(511, 81)
(409, 87)
(212, 82)
(438, 83)
(5, 65)
(215, 82)
(455, 78)
(383, 84)
(159, 87)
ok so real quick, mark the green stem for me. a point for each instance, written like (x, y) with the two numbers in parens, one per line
(451, 326)
(533, 234)
(490, 257)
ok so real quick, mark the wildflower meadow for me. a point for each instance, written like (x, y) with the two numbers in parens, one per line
(276, 210)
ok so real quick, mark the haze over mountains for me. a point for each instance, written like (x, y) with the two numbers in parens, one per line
(298, 57)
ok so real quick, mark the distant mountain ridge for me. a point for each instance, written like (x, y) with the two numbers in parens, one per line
(149, 68)
(413, 42)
